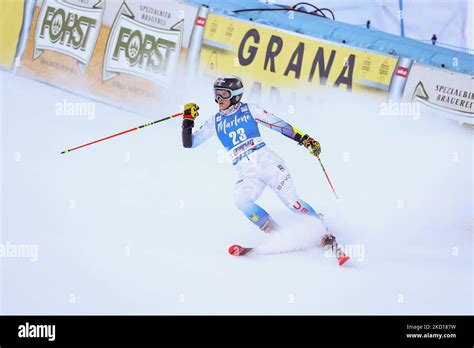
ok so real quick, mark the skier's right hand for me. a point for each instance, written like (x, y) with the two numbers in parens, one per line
(190, 111)
(311, 144)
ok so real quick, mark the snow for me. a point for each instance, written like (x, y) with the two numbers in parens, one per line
(140, 225)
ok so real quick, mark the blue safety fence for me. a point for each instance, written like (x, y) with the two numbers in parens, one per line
(351, 35)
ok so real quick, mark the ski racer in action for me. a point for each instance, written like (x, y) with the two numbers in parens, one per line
(236, 126)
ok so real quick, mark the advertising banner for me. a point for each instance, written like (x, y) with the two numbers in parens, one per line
(274, 59)
(122, 52)
(11, 18)
(441, 89)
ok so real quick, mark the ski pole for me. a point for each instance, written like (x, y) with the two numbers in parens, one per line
(327, 177)
(124, 132)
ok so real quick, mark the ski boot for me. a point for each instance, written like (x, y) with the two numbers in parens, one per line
(329, 241)
(269, 226)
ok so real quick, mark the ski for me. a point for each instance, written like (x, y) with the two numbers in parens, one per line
(341, 256)
(237, 250)
(329, 241)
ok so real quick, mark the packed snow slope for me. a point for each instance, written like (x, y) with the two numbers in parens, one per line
(138, 224)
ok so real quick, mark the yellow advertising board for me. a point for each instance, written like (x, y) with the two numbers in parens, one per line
(11, 18)
(273, 59)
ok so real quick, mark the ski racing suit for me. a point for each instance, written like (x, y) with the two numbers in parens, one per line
(257, 166)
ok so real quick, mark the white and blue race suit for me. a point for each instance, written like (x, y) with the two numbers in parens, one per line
(257, 166)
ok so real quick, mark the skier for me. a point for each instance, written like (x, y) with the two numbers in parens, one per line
(236, 126)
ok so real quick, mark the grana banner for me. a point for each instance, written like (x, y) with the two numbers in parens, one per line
(276, 59)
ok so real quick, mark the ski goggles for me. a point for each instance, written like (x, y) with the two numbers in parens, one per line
(222, 94)
(225, 94)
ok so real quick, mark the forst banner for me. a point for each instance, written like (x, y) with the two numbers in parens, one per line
(272, 60)
(122, 52)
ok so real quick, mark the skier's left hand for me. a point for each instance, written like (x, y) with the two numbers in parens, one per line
(313, 145)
